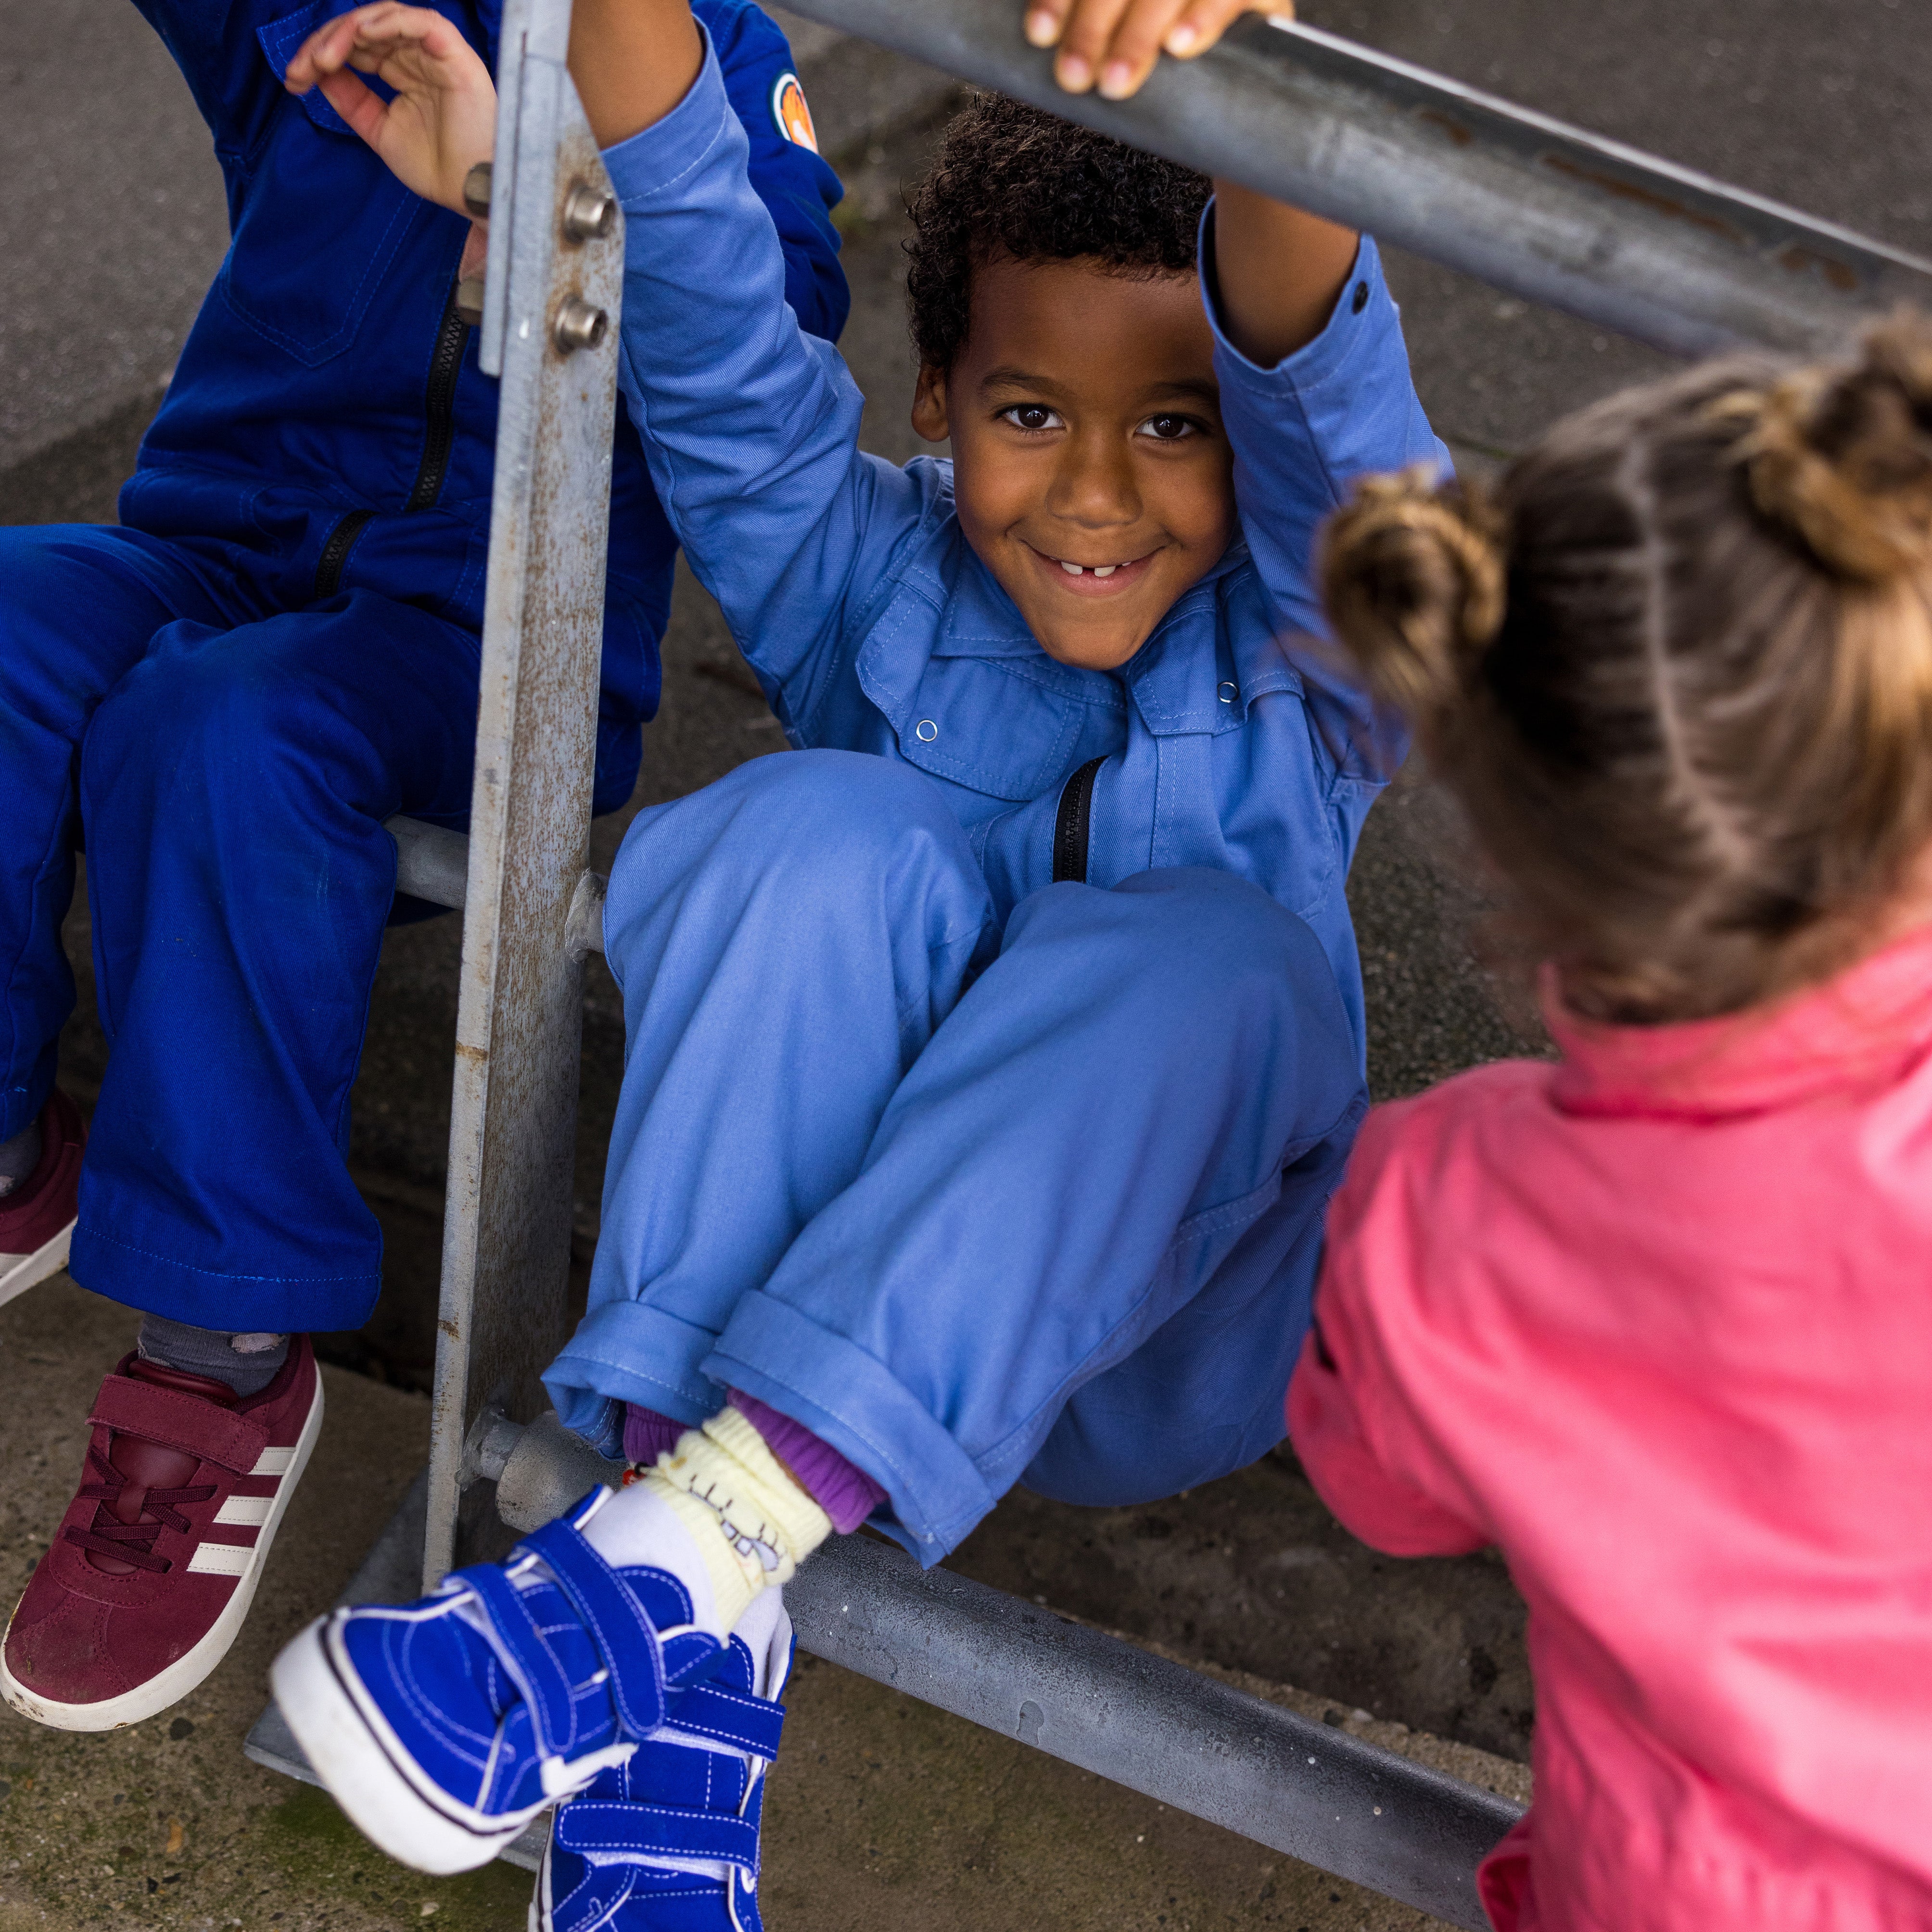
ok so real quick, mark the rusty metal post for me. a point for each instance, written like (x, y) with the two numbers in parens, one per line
(551, 306)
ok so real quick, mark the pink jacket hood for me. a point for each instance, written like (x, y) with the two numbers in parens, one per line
(1657, 1319)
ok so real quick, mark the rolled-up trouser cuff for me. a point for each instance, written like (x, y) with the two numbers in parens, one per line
(600, 1365)
(771, 1350)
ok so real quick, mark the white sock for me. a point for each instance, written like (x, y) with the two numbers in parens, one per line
(721, 1496)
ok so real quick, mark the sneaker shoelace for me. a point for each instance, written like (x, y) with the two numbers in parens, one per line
(132, 1542)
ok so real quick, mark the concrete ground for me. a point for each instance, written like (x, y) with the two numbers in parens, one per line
(882, 1811)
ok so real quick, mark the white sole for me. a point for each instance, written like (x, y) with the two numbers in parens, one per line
(361, 1775)
(19, 1272)
(170, 1686)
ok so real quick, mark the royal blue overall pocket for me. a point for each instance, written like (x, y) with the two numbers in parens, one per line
(322, 223)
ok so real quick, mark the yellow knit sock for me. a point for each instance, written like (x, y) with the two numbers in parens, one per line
(752, 1524)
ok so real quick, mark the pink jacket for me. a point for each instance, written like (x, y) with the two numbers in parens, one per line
(1657, 1321)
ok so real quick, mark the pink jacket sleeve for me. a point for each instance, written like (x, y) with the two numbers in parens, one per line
(1368, 1499)
(1345, 1409)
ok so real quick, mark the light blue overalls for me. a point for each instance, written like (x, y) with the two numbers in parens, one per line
(980, 1176)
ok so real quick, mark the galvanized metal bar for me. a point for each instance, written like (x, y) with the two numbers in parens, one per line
(506, 1237)
(1545, 211)
(433, 864)
(1176, 1735)
(1157, 1727)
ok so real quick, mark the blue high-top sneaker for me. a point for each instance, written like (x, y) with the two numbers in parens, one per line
(668, 1841)
(443, 1727)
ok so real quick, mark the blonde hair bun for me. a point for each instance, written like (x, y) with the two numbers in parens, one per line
(1412, 574)
(1841, 456)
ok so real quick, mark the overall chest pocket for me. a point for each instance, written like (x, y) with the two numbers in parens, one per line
(981, 724)
(323, 222)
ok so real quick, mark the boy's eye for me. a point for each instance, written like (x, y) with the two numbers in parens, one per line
(1033, 416)
(1170, 429)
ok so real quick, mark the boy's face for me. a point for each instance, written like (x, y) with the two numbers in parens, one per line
(1086, 429)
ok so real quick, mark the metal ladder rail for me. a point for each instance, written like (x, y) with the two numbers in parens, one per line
(1542, 211)
(551, 296)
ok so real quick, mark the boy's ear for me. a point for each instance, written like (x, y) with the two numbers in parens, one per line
(930, 420)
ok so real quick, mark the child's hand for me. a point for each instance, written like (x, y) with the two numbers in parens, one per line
(1117, 42)
(443, 119)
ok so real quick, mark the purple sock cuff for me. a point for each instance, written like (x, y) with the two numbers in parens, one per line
(647, 1435)
(844, 1492)
(841, 1489)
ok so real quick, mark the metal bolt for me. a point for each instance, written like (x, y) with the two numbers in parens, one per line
(589, 214)
(469, 301)
(579, 325)
(476, 191)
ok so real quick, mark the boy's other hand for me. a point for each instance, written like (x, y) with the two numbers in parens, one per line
(1280, 270)
(443, 120)
(1113, 44)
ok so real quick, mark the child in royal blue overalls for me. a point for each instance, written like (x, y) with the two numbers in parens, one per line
(228, 694)
(990, 1062)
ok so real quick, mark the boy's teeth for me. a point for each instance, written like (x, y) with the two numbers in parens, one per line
(1081, 569)
(1105, 569)
(1072, 569)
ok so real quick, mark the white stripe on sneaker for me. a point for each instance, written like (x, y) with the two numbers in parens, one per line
(219, 1559)
(19, 1272)
(245, 1512)
(274, 1462)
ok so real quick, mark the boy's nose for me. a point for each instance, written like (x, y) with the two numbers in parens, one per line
(1093, 485)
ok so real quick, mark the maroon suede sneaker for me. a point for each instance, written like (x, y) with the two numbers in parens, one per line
(141, 1592)
(37, 1221)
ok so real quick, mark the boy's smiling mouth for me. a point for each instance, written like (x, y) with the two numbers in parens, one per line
(1092, 579)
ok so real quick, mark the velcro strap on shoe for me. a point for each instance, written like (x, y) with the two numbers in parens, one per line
(733, 1717)
(618, 1623)
(644, 1832)
(179, 1421)
(595, 1900)
(531, 1662)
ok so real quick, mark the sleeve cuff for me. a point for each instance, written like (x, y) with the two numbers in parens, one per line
(1363, 312)
(662, 154)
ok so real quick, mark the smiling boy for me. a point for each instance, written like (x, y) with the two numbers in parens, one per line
(984, 1092)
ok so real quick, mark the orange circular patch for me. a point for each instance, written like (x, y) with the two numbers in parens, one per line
(790, 111)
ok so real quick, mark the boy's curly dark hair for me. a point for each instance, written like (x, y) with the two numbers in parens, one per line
(1011, 180)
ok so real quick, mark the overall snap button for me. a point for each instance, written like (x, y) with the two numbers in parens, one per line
(1229, 692)
(925, 730)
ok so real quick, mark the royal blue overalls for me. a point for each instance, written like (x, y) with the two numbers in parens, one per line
(990, 1058)
(277, 649)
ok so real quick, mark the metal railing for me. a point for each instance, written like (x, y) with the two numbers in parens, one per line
(1542, 211)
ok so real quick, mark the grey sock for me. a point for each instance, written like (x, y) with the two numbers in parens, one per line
(247, 1363)
(19, 1157)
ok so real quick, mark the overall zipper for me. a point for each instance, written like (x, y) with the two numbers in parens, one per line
(335, 552)
(445, 368)
(1073, 825)
(445, 371)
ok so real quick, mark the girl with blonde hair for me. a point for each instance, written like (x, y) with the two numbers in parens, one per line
(1656, 1319)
